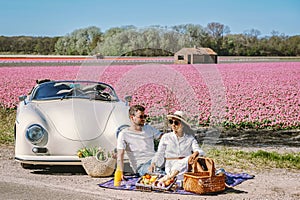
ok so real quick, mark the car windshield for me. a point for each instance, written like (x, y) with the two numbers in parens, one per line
(74, 89)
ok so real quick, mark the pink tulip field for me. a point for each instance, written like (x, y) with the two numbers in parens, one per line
(255, 95)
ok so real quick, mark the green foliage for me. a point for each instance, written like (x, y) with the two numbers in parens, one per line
(142, 42)
(86, 152)
(99, 152)
(278, 159)
(27, 45)
(7, 119)
(265, 124)
(131, 41)
(79, 42)
(256, 160)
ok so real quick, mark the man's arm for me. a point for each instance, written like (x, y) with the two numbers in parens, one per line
(120, 161)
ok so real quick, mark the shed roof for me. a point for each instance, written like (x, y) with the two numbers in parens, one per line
(197, 50)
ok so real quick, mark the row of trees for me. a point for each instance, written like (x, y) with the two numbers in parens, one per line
(129, 40)
(28, 45)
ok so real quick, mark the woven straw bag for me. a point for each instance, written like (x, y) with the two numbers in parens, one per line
(202, 178)
(98, 168)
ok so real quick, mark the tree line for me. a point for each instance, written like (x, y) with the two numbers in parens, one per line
(154, 41)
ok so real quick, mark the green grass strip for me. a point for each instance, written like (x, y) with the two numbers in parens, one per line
(254, 159)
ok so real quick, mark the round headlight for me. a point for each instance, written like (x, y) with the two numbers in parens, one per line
(35, 134)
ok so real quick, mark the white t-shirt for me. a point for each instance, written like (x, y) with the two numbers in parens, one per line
(139, 146)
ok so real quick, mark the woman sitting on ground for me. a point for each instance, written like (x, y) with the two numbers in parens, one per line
(176, 147)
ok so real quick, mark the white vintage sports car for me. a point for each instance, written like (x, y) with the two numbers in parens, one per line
(58, 118)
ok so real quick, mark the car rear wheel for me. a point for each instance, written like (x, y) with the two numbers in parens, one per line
(27, 166)
(30, 166)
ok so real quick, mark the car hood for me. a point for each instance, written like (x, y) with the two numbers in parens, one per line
(77, 119)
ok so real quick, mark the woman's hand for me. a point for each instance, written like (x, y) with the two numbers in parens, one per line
(164, 178)
(193, 157)
(152, 167)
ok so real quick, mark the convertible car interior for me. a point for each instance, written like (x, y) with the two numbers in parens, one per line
(64, 90)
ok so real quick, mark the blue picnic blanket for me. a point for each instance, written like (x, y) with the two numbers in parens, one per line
(232, 179)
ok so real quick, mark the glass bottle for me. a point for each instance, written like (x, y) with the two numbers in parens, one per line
(118, 177)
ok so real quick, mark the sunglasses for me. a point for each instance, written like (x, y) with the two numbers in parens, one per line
(142, 116)
(174, 121)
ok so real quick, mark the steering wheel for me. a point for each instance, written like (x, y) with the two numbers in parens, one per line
(76, 92)
(91, 92)
(99, 95)
(103, 96)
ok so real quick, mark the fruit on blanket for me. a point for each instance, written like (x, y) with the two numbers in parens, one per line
(153, 179)
(147, 176)
(148, 179)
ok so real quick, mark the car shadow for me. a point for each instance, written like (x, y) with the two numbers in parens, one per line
(226, 191)
(61, 170)
(67, 169)
(234, 191)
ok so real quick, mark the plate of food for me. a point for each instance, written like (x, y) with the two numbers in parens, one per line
(146, 181)
(163, 185)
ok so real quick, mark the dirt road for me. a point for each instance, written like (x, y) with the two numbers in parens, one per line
(18, 183)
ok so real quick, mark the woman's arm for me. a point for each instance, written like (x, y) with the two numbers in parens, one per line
(159, 157)
(196, 147)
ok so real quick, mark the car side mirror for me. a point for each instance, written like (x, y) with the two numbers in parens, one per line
(128, 99)
(22, 97)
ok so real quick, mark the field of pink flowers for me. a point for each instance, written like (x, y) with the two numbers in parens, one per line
(242, 95)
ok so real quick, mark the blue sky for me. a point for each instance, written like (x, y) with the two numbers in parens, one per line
(60, 17)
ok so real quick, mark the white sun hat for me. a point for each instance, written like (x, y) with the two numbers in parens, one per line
(180, 115)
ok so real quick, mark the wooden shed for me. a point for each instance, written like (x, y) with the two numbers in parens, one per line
(195, 56)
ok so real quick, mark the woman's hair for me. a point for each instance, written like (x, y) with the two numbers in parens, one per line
(187, 129)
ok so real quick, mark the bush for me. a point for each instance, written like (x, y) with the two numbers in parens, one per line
(7, 120)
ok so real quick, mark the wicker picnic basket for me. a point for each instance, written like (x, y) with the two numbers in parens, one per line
(98, 168)
(202, 178)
